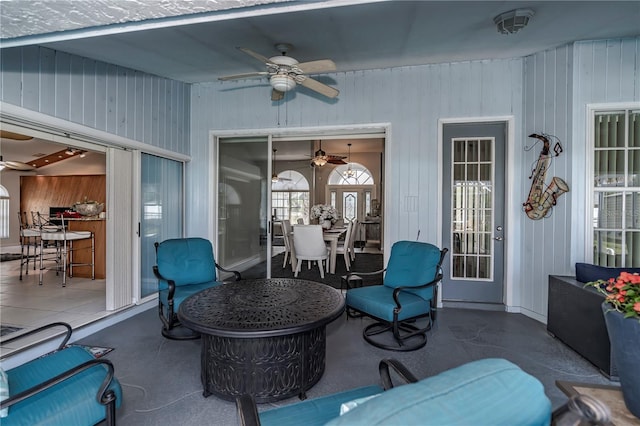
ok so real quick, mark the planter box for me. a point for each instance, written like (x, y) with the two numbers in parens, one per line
(575, 317)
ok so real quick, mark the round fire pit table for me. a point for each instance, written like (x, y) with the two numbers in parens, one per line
(262, 337)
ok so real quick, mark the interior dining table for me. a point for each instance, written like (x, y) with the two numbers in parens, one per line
(330, 236)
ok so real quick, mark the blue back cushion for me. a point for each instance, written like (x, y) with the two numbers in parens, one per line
(413, 264)
(186, 261)
(586, 272)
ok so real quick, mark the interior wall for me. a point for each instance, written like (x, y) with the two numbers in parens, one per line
(38, 193)
(558, 86)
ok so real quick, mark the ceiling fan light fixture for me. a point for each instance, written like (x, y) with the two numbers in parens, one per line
(513, 21)
(282, 82)
(320, 158)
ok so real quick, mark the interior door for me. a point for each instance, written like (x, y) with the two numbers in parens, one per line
(244, 200)
(473, 211)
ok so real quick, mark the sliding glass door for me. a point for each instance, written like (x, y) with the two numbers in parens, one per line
(244, 200)
(162, 212)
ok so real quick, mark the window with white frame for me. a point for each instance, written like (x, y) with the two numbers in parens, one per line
(616, 188)
(290, 197)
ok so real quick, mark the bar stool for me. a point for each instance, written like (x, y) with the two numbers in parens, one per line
(63, 239)
(29, 237)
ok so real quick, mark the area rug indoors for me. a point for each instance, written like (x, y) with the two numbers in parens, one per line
(365, 262)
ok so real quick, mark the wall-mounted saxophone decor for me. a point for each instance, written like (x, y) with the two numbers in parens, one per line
(541, 199)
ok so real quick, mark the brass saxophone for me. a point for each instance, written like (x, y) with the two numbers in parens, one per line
(541, 199)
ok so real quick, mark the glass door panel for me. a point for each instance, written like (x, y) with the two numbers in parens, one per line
(162, 212)
(244, 234)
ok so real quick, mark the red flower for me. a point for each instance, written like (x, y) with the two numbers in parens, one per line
(621, 293)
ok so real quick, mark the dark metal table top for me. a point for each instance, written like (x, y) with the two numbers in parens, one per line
(261, 308)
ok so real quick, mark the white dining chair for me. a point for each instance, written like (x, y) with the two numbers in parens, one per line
(355, 227)
(309, 245)
(343, 246)
(286, 236)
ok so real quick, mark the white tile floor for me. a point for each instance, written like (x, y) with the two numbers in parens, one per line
(27, 305)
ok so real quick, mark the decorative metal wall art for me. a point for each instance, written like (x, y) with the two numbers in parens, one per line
(542, 198)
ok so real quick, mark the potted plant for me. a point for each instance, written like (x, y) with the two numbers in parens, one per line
(621, 310)
(326, 214)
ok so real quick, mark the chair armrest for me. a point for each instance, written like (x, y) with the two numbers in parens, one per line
(247, 410)
(400, 370)
(104, 396)
(349, 274)
(170, 283)
(397, 290)
(235, 273)
(44, 327)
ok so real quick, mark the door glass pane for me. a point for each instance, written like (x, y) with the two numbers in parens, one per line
(243, 206)
(162, 212)
(349, 205)
(472, 208)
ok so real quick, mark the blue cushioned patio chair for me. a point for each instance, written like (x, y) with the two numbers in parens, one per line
(489, 391)
(65, 387)
(408, 293)
(184, 266)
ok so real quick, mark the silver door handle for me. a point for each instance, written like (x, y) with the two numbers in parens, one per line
(498, 238)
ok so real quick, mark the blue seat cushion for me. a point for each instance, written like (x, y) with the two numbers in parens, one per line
(72, 401)
(413, 264)
(485, 392)
(378, 301)
(186, 261)
(183, 292)
(316, 411)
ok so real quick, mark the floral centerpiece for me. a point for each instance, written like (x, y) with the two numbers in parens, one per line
(621, 294)
(621, 310)
(324, 213)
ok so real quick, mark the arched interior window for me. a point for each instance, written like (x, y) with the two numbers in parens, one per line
(290, 196)
(359, 175)
(4, 212)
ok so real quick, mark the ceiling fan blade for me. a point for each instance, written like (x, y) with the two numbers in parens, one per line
(255, 55)
(15, 136)
(17, 165)
(333, 160)
(321, 88)
(314, 67)
(277, 95)
(242, 76)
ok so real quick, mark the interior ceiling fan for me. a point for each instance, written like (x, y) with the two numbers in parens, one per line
(320, 158)
(14, 165)
(285, 72)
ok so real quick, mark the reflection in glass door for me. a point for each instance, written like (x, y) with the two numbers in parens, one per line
(161, 217)
(243, 202)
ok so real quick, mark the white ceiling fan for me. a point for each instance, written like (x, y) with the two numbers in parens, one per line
(285, 73)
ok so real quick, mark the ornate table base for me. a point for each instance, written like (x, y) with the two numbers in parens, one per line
(269, 368)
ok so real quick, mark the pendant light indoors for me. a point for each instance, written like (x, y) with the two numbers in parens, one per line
(320, 157)
(349, 173)
(274, 175)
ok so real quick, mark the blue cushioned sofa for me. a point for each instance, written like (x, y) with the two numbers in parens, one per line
(66, 387)
(484, 392)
